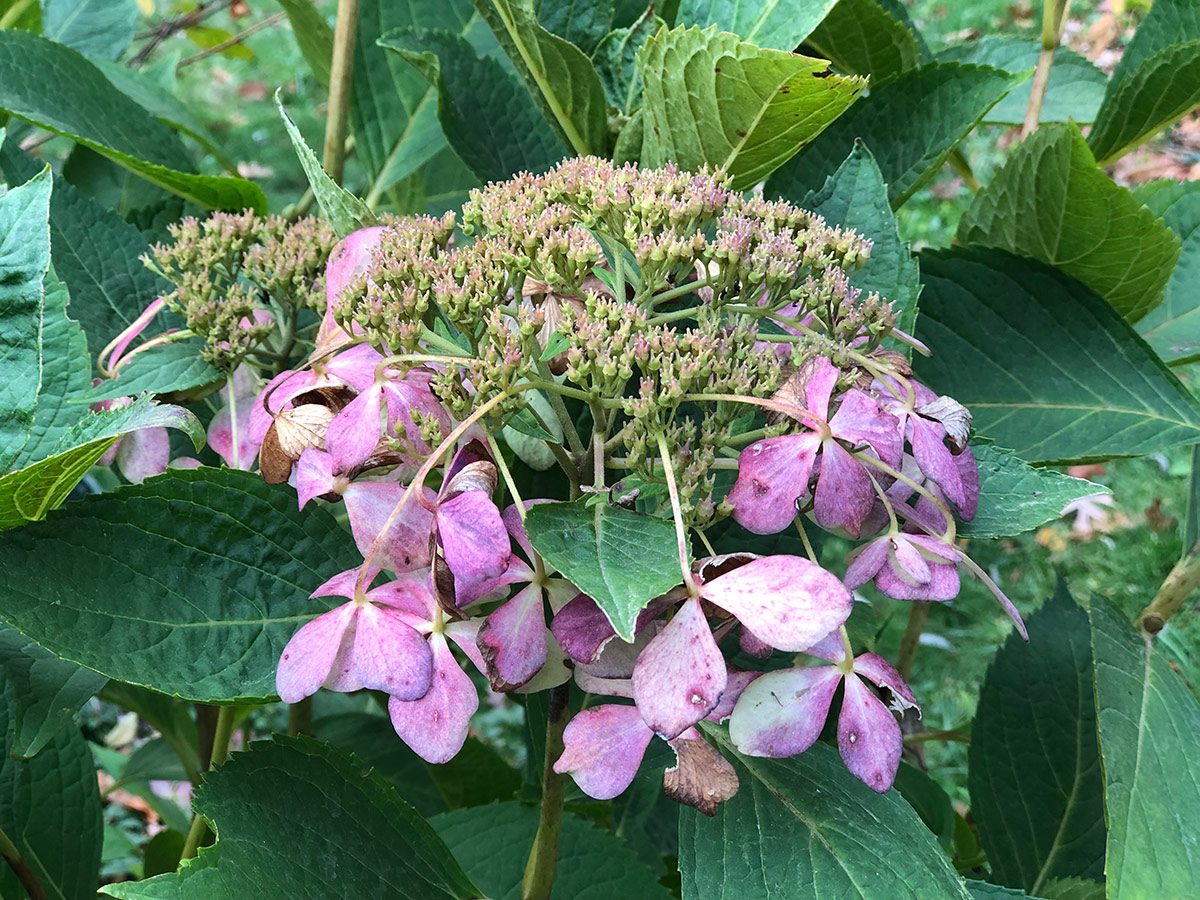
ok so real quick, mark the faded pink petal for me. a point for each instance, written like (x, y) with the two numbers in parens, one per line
(473, 536)
(435, 727)
(582, 629)
(782, 713)
(882, 673)
(314, 476)
(465, 635)
(513, 640)
(388, 655)
(968, 470)
(907, 563)
(752, 645)
(861, 419)
(679, 677)
(349, 259)
(819, 388)
(844, 494)
(369, 504)
(410, 592)
(354, 366)
(943, 584)
(308, 657)
(144, 454)
(869, 737)
(867, 563)
(787, 601)
(772, 475)
(603, 747)
(406, 396)
(354, 432)
(735, 684)
(185, 462)
(220, 435)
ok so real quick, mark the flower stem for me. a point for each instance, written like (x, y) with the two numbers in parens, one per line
(220, 750)
(677, 514)
(341, 73)
(1178, 586)
(918, 613)
(543, 857)
(1054, 15)
(21, 869)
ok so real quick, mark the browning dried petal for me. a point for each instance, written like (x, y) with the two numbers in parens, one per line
(701, 778)
(954, 416)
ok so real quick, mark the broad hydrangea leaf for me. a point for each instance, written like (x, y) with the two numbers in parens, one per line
(99, 28)
(1173, 327)
(582, 22)
(711, 99)
(171, 367)
(1051, 202)
(314, 36)
(616, 61)
(772, 24)
(864, 37)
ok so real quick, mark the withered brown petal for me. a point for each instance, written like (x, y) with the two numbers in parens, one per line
(336, 398)
(275, 465)
(481, 475)
(302, 427)
(954, 416)
(701, 778)
(443, 581)
(711, 567)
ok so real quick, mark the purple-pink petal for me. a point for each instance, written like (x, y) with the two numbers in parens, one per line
(603, 747)
(782, 713)
(388, 655)
(354, 432)
(369, 504)
(882, 673)
(307, 659)
(861, 419)
(513, 640)
(473, 537)
(144, 454)
(943, 584)
(870, 559)
(869, 737)
(844, 495)
(313, 474)
(772, 475)
(582, 629)
(735, 684)
(435, 726)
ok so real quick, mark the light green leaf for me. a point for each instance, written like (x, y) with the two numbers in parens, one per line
(492, 843)
(49, 807)
(489, 119)
(855, 196)
(314, 37)
(773, 24)
(170, 367)
(1074, 92)
(46, 691)
(711, 99)
(1014, 497)
(911, 123)
(1173, 327)
(1148, 725)
(616, 61)
(141, 413)
(558, 75)
(265, 850)
(99, 28)
(1034, 765)
(200, 612)
(1156, 82)
(207, 38)
(861, 36)
(804, 828)
(53, 87)
(24, 259)
(1044, 364)
(582, 22)
(345, 212)
(1051, 202)
(619, 558)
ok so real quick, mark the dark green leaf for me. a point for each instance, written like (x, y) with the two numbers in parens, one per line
(1015, 497)
(169, 717)
(855, 196)
(1045, 365)
(1073, 889)
(806, 829)
(487, 116)
(982, 890)
(1148, 725)
(555, 344)
(1034, 766)
(1074, 92)
(201, 611)
(619, 558)
(170, 367)
(912, 123)
(768, 23)
(154, 760)
(712, 99)
(928, 801)
(314, 37)
(345, 212)
(559, 77)
(475, 777)
(1156, 81)
(1173, 327)
(582, 22)
(616, 61)
(492, 845)
(861, 36)
(1051, 202)
(24, 259)
(53, 87)
(526, 423)
(49, 806)
(46, 691)
(99, 28)
(354, 838)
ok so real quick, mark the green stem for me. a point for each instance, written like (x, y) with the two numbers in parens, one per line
(21, 869)
(560, 410)
(1054, 16)
(922, 737)
(220, 750)
(917, 614)
(1175, 590)
(11, 16)
(543, 857)
(958, 162)
(341, 73)
(682, 291)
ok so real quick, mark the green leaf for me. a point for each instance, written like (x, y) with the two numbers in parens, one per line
(912, 123)
(489, 119)
(1073, 889)
(582, 22)
(928, 801)
(171, 367)
(53, 87)
(207, 38)
(1173, 327)
(619, 558)
(1034, 766)
(1073, 93)
(345, 212)
(616, 61)
(855, 196)
(1051, 202)
(95, 252)
(1156, 82)
(24, 259)
(1148, 725)
(711, 99)
(168, 717)
(558, 75)
(1044, 364)
(804, 828)
(1014, 497)
(861, 36)
(201, 612)
(982, 890)
(49, 806)
(141, 413)
(492, 844)
(369, 842)
(46, 691)
(314, 37)
(99, 28)
(773, 24)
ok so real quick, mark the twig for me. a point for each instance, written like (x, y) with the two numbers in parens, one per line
(168, 27)
(1054, 16)
(917, 614)
(230, 42)
(14, 12)
(341, 72)
(21, 869)
(543, 856)
(1178, 586)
